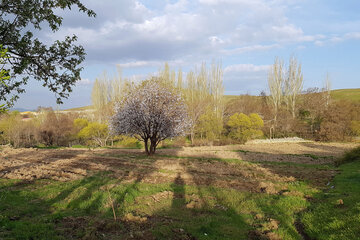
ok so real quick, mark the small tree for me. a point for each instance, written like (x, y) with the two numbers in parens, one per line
(242, 127)
(209, 126)
(355, 128)
(96, 132)
(151, 112)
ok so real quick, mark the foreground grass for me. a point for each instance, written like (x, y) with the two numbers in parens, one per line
(44, 209)
(86, 208)
(335, 214)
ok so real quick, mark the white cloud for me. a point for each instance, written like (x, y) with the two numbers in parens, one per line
(238, 68)
(249, 49)
(129, 30)
(136, 64)
(245, 78)
(136, 35)
(337, 38)
(84, 82)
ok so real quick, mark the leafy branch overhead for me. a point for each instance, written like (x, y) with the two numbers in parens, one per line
(55, 65)
(4, 73)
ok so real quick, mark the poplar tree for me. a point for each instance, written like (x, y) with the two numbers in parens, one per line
(276, 78)
(293, 85)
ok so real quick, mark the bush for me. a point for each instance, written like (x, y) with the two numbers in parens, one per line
(128, 142)
(355, 128)
(209, 126)
(55, 129)
(350, 156)
(174, 143)
(96, 133)
(336, 121)
(16, 131)
(242, 127)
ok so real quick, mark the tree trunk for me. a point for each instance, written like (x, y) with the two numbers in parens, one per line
(146, 141)
(293, 109)
(192, 136)
(152, 146)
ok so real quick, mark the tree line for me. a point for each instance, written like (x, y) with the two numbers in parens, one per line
(195, 99)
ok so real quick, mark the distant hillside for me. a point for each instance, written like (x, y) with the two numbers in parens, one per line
(346, 94)
(79, 108)
(20, 109)
(339, 94)
(352, 94)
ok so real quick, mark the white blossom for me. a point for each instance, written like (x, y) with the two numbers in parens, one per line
(151, 112)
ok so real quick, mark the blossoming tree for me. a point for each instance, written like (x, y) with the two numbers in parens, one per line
(151, 112)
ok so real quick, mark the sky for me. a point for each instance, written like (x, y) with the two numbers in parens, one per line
(245, 35)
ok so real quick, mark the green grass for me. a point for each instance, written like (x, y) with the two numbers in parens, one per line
(302, 165)
(79, 146)
(36, 210)
(350, 156)
(42, 146)
(81, 209)
(327, 218)
(346, 94)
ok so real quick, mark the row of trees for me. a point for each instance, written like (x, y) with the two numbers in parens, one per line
(49, 128)
(202, 91)
(291, 111)
(167, 105)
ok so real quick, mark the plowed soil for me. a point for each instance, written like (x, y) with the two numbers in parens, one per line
(253, 167)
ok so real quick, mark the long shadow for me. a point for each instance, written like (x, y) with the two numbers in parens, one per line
(316, 171)
(178, 188)
(43, 157)
(273, 211)
(326, 149)
(83, 198)
(218, 221)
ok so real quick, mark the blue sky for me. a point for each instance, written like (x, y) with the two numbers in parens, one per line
(246, 35)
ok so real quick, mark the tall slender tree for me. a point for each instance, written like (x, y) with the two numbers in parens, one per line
(293, 85)
(276, 78)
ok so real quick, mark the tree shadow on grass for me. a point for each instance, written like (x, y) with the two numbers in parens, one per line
(194, 210)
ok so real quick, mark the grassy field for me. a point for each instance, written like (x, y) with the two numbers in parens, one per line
(231, 192)
(346, 94)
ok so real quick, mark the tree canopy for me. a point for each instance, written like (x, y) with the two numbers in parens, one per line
(151, 112)
(242, 127)
(4, 73)
(55, 65)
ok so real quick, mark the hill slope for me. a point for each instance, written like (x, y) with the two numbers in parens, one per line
(346, 94)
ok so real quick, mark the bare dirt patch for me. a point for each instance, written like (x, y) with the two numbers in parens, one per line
(198, 165)
(302, 152)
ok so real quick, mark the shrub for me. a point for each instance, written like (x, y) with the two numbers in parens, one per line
(350, 156)
(355, 128)
(176, 142)
(55, 129)
(17, 132)
(242, 127)
(80, 123)
(209, 126)
(96, 133)
(128, 142)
